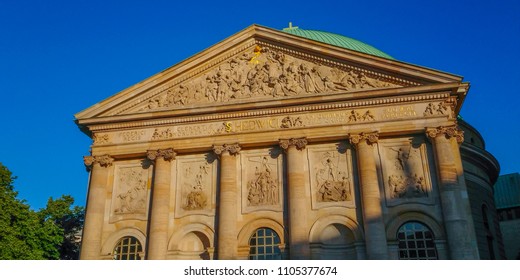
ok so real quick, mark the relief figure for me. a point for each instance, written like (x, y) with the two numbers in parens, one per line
(406, 179)
(332, 185)
(263, 188)
(196, 198)
(266, 73)
(132, 198)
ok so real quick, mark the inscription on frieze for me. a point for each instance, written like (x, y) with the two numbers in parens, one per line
(266, 123)
(132, 136)
(399, 112)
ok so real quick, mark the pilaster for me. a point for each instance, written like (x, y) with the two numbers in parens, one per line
(375, 234)
(298, 202)
(227, 246)
(462, 241)
(94, 216)
(158, 224)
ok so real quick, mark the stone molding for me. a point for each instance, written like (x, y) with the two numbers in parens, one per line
(299, 143)
(167, 154)
(447, 131)
(103, 161)
(233, 149)
(266, 112)
(369, 137)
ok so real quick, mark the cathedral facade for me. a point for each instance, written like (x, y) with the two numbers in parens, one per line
(292, 144)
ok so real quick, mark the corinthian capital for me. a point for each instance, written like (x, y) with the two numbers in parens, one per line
(166, 154)
(446, 131)
(103, 161)
(233, 149)
(370, 138)
(299, 143)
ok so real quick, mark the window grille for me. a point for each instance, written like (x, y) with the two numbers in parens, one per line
(416, 242)
(128, 248)
(265, 245)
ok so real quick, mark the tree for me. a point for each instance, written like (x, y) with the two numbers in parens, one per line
(28, 234)
(70, 222)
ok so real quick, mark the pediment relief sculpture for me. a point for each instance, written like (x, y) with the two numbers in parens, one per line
(265, 73)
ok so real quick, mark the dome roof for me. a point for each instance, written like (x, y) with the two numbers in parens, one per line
(336, 40)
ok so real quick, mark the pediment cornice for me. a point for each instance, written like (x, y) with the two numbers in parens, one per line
(260, 64)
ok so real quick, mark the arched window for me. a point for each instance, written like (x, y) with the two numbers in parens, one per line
(416, 242)
(264, 244)
(128, 248)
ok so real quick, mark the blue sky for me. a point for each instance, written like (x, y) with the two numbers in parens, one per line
(59, 57)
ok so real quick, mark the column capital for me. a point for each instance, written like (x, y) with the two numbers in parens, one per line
(103, 161)
(299, 143)
(447, 131)
(369, 137)
(233, 149)
(166, 154)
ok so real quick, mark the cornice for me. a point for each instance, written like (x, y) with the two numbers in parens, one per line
(257, 109)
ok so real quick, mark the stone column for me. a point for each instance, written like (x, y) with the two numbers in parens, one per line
(375, 233)
(94, 216)
(158, 224)
(462, 241)
(299, 203)
(227, 246)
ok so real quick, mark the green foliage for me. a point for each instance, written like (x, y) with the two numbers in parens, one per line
(68, 220)
(28, 234)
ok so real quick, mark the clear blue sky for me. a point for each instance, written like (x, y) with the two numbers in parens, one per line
(58, 57)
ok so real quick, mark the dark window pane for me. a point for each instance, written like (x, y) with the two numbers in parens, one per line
(416, 242)
(413, 254)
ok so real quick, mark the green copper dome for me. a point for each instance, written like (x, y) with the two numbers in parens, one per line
(336, 40)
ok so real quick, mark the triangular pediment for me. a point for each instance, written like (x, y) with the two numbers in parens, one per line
(260, 64)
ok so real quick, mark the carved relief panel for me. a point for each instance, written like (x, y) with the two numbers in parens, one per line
(195, 180)
(332, 180)
(264, 72)
(262, 180)
(405, 171)
(131, 192)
